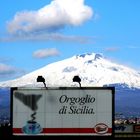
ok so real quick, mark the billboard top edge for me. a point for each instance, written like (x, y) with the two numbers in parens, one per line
(66, 88)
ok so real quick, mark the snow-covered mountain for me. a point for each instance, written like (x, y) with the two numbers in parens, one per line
(93, 69)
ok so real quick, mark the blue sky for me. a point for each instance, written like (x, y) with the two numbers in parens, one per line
(36, 33)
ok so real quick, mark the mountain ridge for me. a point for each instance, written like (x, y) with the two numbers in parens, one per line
(93, 69)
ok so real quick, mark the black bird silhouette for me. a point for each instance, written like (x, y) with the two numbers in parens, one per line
(28, 100)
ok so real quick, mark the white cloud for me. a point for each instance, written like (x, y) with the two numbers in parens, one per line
(5, 59)
(112, 49)
(49, 37)
(7, 71)
(44, 53)
(56, 15)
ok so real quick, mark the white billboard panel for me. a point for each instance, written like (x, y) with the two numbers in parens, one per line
(62, 111)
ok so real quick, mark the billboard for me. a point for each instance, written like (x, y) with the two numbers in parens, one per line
(123, 128)
(62, 111)
(136, 128)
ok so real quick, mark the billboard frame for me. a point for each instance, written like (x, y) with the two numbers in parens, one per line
(66, 88)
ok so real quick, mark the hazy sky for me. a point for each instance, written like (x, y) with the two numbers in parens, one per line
(34, 33)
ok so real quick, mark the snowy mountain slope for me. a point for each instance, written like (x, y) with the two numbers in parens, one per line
(93, 69)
